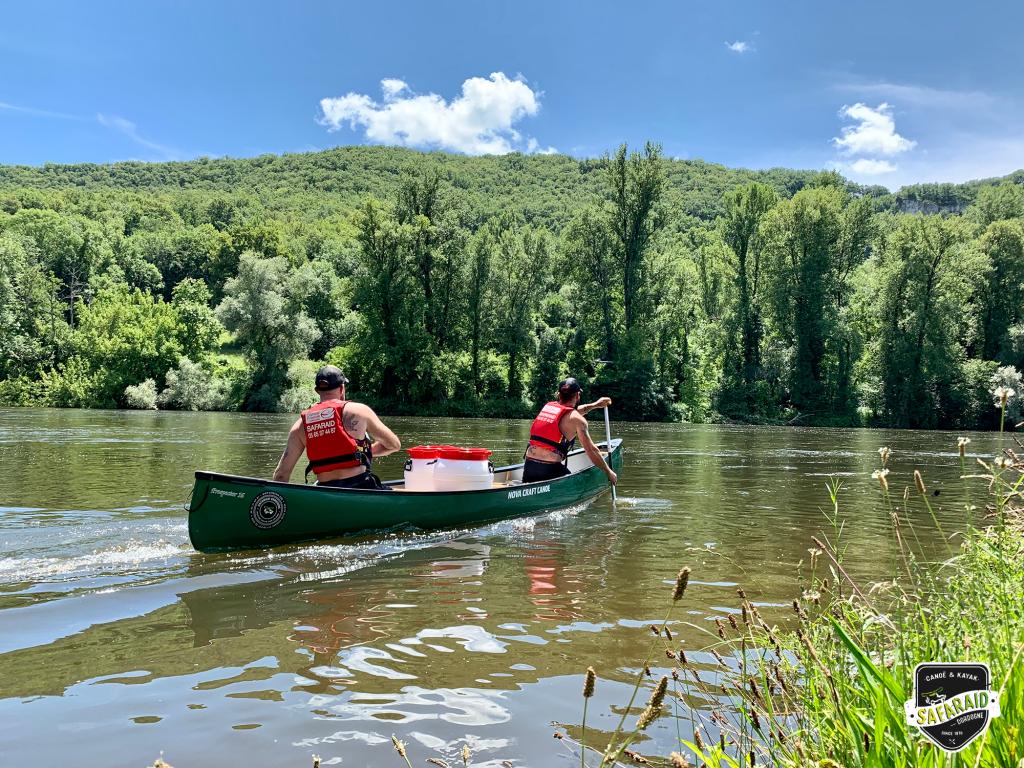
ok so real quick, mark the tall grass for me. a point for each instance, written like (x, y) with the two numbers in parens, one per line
(830, 691)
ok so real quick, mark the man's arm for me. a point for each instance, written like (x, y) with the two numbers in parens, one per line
(592, 451)
(601, 402)
(292, 451)
(384, 440)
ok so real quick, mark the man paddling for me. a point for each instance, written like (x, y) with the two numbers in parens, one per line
(336, 436)
(555, 431)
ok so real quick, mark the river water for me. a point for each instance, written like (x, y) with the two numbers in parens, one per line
(119, 642)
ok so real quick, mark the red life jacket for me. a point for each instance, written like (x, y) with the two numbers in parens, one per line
(545, 432)
(328, 445)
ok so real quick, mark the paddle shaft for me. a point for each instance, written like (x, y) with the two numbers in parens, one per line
(608, 443)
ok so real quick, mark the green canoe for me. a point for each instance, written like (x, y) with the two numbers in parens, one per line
(230, 512)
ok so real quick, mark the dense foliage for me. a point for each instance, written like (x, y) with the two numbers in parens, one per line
(449, 284)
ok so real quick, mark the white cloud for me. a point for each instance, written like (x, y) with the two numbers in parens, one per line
(867, 167)
(392, 87)
(874, 133)
(963, 134)
(480, 121)
(738, 47)
(129, 129)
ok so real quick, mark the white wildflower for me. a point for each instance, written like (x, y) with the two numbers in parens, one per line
(1002, 395)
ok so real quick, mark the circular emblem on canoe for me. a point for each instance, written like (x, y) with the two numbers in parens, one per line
(267, 510)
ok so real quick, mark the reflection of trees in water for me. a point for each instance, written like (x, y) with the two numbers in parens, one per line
(109, 460)
(759, 493)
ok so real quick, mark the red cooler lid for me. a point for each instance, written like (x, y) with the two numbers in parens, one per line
(464, 454)
(424, 451)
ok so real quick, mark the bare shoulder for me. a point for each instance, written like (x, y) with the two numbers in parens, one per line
(362, 410)
(576, 420)
(356, 417)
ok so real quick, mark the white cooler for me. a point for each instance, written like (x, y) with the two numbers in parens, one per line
(419, 469)
(463, 469)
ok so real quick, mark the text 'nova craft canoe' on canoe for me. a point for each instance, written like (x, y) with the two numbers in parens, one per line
(230, 512)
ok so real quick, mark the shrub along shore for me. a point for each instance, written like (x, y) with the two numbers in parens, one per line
(453, 285)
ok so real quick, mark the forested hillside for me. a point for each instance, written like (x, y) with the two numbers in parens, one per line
(469, 285)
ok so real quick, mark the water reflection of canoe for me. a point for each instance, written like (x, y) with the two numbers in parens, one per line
(231, 512)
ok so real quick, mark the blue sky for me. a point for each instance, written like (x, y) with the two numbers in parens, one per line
(890, 93)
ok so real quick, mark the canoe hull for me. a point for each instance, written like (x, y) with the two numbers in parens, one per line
(229, 512)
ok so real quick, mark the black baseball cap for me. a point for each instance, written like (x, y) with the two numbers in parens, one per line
(568, 387)
(329, 377)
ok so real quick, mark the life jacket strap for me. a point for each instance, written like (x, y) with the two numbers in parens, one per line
(561, 448)
(363, 456)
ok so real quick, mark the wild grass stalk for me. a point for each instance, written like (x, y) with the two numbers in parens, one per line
(589, 682)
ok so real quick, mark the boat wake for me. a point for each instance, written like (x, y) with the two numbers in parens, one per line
(130, 557)
(640, 501)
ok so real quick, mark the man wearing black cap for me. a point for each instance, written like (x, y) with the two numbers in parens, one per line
(554, 432)
(335, 434)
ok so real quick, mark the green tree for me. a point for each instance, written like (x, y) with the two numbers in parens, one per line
(124, 337)
(32, 328)
(1002, 291)
(635, 185)
(548, 368)
(69, 246)
(325, 299)
(262, 236)
(263, 307)
(925, 280)
(436, 244)
(662, 269)
(179, 254)
(997, 203)
(675, 299)
(479, 297)
(814, 242)
(394, 343)
(589, 249)
(200, 328)
(521, 264)
(746, 209)
(141, 396)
